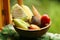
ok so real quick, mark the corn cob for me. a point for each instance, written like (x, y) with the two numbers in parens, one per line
(21, 24)
(28, 12)
(18, 12)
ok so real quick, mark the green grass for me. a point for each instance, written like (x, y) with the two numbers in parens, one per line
(54, 12)
(52, 8)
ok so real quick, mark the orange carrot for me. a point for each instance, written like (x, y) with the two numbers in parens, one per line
(35, 12)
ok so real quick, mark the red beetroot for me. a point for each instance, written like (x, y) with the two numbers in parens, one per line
(45, 20)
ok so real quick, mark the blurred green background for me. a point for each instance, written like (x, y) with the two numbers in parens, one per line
(50, 7)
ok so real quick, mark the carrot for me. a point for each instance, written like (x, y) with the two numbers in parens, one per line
(35, 12)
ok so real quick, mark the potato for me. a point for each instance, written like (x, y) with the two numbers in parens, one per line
(34, 27)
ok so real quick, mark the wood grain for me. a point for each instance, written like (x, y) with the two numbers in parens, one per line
(20, 2)
(1, 23)
(6, 7)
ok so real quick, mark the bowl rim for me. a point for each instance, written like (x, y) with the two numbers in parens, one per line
(35, 30)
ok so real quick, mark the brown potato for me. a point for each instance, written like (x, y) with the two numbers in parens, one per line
(34, 27)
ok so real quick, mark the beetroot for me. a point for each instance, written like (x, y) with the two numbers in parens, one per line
(45, 20)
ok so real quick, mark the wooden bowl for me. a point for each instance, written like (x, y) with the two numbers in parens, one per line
(34, 33)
